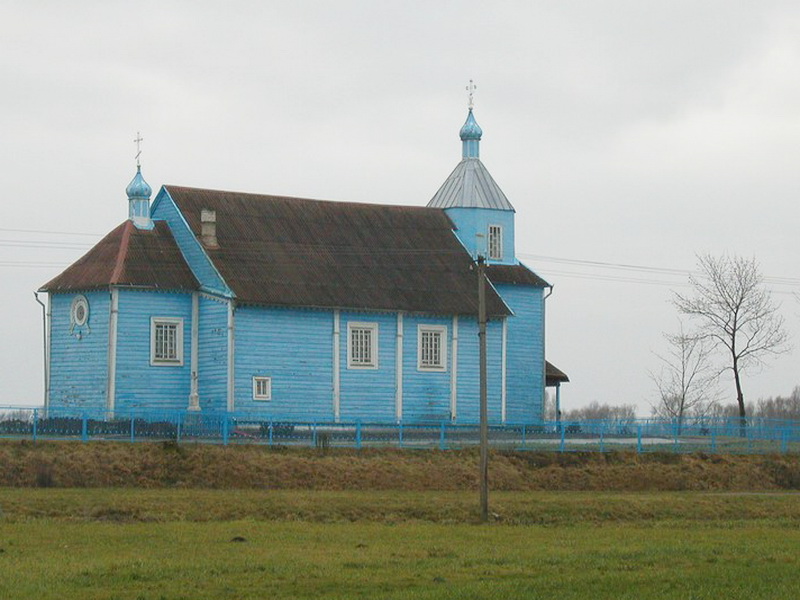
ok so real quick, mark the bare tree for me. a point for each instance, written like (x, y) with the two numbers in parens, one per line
(784, 408)
(687, 380)
(736, 314)
(596, 411)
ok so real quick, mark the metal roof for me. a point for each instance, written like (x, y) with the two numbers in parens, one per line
(281, 251)
(129, 256)
(470, 186)
(515, 274)
(554, 375)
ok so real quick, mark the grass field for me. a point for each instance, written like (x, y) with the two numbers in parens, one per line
(197, 544)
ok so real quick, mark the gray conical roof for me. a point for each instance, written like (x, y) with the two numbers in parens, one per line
(470, 186)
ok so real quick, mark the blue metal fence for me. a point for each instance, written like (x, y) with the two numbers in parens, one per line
(642, 435)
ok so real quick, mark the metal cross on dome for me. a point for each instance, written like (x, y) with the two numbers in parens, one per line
(471, 89)
(139, 139)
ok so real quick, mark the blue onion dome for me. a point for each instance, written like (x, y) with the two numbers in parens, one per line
(471, 130)
(138, 187)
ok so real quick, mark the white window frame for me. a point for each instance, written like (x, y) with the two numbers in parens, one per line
(495, 242)
(441, 331)
(266, 395)
(167, 362)
(372, 363)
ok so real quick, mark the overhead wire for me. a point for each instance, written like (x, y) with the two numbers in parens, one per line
(300, 252)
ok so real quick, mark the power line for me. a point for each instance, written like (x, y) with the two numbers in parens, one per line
(299, 252)
(791, 281)
(97, 235)
(43, 244)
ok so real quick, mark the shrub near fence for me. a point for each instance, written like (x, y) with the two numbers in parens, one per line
(643, 435)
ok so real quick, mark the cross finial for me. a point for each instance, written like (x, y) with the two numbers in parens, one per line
(139, 139)
(471, 89)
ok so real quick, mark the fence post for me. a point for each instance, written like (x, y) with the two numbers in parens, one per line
(639, 438)
(133, 429)
(270, 433)
(178, 434)
(314, 434)
(675, 435)
(523, 435)
(400, 433)
(441, 436)
(85, 428)
(35, 423)
(358, 435)
(602, 437)
(225, 429)
(563, 429)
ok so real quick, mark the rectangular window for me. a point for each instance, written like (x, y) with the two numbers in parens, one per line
(166, 341)
(495, 242)
(362, 345)
(432, 348)
(262, 388)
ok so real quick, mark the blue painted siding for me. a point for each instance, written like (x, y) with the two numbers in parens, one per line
(471, 221)
(525, 352)
(212, 354)
(426, 394)
(369, 394)
(210, 280)
(139, 384)
(468, 384)
(295, 349)
(494, 342)
(79, 358)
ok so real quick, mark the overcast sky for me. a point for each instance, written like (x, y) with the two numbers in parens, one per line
(624, 133)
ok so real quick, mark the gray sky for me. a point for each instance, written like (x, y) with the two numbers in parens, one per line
(634, 133)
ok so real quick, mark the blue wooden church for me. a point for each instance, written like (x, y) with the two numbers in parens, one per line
(299, 309)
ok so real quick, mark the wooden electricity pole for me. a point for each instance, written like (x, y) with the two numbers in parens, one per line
(484, 411)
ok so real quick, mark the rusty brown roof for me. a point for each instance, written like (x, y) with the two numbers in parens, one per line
(517, 274)
(129, 256)
(282, 251)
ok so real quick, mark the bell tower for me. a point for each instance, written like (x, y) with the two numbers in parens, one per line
(483, 216)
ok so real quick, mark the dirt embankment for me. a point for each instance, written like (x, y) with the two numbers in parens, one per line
(162, 465)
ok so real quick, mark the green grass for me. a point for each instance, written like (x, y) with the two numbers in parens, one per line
(172, 544)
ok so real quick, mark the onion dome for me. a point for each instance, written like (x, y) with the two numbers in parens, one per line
(138, 188)
(471, 130)
(470, 137)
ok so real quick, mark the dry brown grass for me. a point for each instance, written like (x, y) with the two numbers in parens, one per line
(159, 465)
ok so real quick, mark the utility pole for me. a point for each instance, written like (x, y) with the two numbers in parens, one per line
(484, 411)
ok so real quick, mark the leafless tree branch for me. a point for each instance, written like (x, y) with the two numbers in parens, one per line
(733, 310)
(687, 380)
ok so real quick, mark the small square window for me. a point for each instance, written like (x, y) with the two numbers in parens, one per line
(495, 242)
(362, 345)
(166, 341)
(262, 388)
(432, 348)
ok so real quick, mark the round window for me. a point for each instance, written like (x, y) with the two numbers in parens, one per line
(79, 313)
